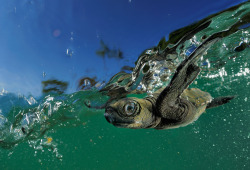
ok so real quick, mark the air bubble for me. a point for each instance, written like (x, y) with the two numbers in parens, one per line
(71, 36)
(44, 74)
(69, 52)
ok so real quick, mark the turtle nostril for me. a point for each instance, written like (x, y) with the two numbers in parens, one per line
(109, 110)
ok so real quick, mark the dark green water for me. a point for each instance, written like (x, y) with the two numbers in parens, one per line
(82, 139)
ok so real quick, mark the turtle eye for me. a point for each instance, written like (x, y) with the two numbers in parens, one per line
(129, 108)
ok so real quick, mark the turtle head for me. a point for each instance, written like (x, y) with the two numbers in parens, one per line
(131, 113)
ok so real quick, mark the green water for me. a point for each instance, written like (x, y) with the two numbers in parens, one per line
(82, 138)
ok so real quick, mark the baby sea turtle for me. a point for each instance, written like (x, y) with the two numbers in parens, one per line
(171, 107)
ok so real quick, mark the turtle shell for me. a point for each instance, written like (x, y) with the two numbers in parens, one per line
(196, 96)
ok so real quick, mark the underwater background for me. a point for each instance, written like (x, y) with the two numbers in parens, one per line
(58, 57)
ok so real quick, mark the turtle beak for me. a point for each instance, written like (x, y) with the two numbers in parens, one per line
(107, 114)
(109, 118)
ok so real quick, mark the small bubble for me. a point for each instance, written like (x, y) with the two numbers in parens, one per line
(44, 74)
(148, 52)
(69, 52)
(10, 153)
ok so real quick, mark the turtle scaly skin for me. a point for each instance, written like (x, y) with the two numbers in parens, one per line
(198, 101)
(171, 107)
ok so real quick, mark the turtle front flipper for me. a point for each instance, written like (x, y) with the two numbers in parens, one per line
(169, 104)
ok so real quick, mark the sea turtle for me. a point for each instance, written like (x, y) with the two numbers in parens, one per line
(172, 106)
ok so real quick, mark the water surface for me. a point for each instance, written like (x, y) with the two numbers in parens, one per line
(58, 129)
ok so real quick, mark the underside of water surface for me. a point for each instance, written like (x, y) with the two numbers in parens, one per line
(60, 131)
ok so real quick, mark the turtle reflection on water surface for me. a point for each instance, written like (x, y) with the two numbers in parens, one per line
(170, 107)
